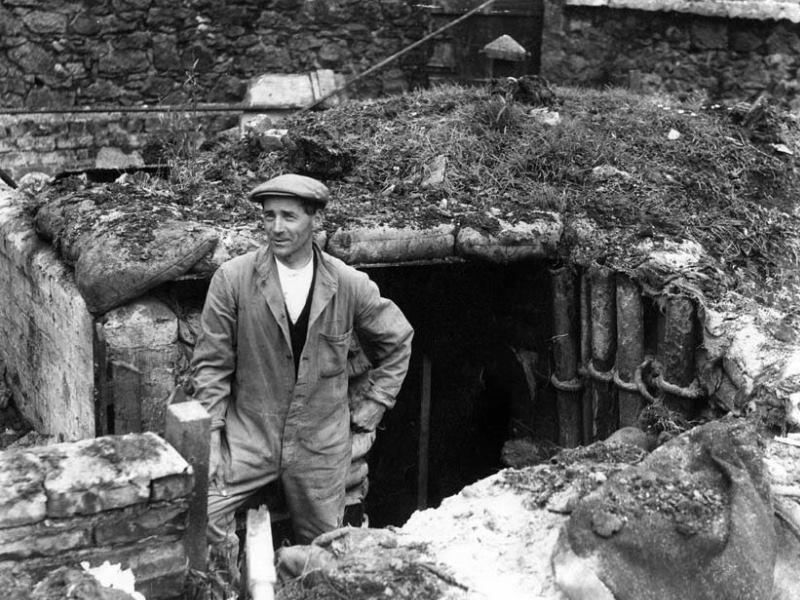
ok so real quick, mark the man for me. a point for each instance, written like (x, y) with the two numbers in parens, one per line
(270, 367)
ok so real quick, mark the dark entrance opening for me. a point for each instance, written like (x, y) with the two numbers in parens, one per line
(476, 324)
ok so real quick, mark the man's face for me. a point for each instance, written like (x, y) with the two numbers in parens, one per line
(290, 230)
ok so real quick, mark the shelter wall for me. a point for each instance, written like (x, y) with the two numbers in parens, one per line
(46, 331)
(662, 51)
(121, 499)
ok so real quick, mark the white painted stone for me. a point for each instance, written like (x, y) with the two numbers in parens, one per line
(282, 91)
(22, 499)
(109, 472)
(732, 9)
(146, 323)
(111, 157)
(47, 329)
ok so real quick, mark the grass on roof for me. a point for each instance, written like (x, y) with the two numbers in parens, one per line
(637, 166)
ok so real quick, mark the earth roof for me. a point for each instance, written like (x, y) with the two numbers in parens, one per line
(628, 168)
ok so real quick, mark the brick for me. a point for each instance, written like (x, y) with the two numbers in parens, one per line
(22, 498)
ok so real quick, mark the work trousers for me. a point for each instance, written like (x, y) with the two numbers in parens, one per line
(314, 489)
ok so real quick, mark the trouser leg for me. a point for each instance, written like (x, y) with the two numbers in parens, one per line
(223, 543)
(315, 493)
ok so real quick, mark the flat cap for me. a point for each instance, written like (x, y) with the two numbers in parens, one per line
(290, 185)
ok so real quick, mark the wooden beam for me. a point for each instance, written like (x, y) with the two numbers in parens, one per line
(188, 429)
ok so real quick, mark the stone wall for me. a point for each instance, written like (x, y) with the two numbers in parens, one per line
(47, 332)
(60, 53)
(121, 499)
(51, 143)
(684, 54)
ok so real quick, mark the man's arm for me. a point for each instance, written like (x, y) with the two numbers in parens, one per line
(387, 336)
(214, 359)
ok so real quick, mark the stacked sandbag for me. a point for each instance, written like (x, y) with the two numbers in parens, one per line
(121, 251)
(692, 520)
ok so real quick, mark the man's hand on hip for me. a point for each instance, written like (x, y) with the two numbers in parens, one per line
(366, 414)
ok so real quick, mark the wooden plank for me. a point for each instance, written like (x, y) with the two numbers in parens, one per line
(259, 555)
(188, 430)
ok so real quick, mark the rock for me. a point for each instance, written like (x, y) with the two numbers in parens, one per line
(433, 173)
(606, 172)
(633, 436)
(319, 158)
(45, 22)
(709, 35)
(74, 584)
(115, 158)
(606, 524)
(548, 118)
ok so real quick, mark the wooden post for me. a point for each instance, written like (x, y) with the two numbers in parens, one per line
(101, 417)
(630, 348)
(587, 412)
(604, 340)
(565, 357)
(188, 429)
(259, 555)
(424, 433)
(677, 351)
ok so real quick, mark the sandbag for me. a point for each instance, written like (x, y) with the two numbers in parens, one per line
(110, 270)
(693, 520)
(510, 243)
(371, 245)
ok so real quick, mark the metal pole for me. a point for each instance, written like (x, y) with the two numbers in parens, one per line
(157, 108)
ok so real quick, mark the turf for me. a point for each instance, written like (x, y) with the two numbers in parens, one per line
(633, 167)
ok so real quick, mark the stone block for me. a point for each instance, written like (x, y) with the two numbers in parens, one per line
(159, 564)
(290, 91)
(22, 498)
(148, 323)
(142, 350)
(139, 522)
(744, 40)
(172, 486)
(709, 35)
(109, 472)
(52, 537)
(39, 21)
(44, 539)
